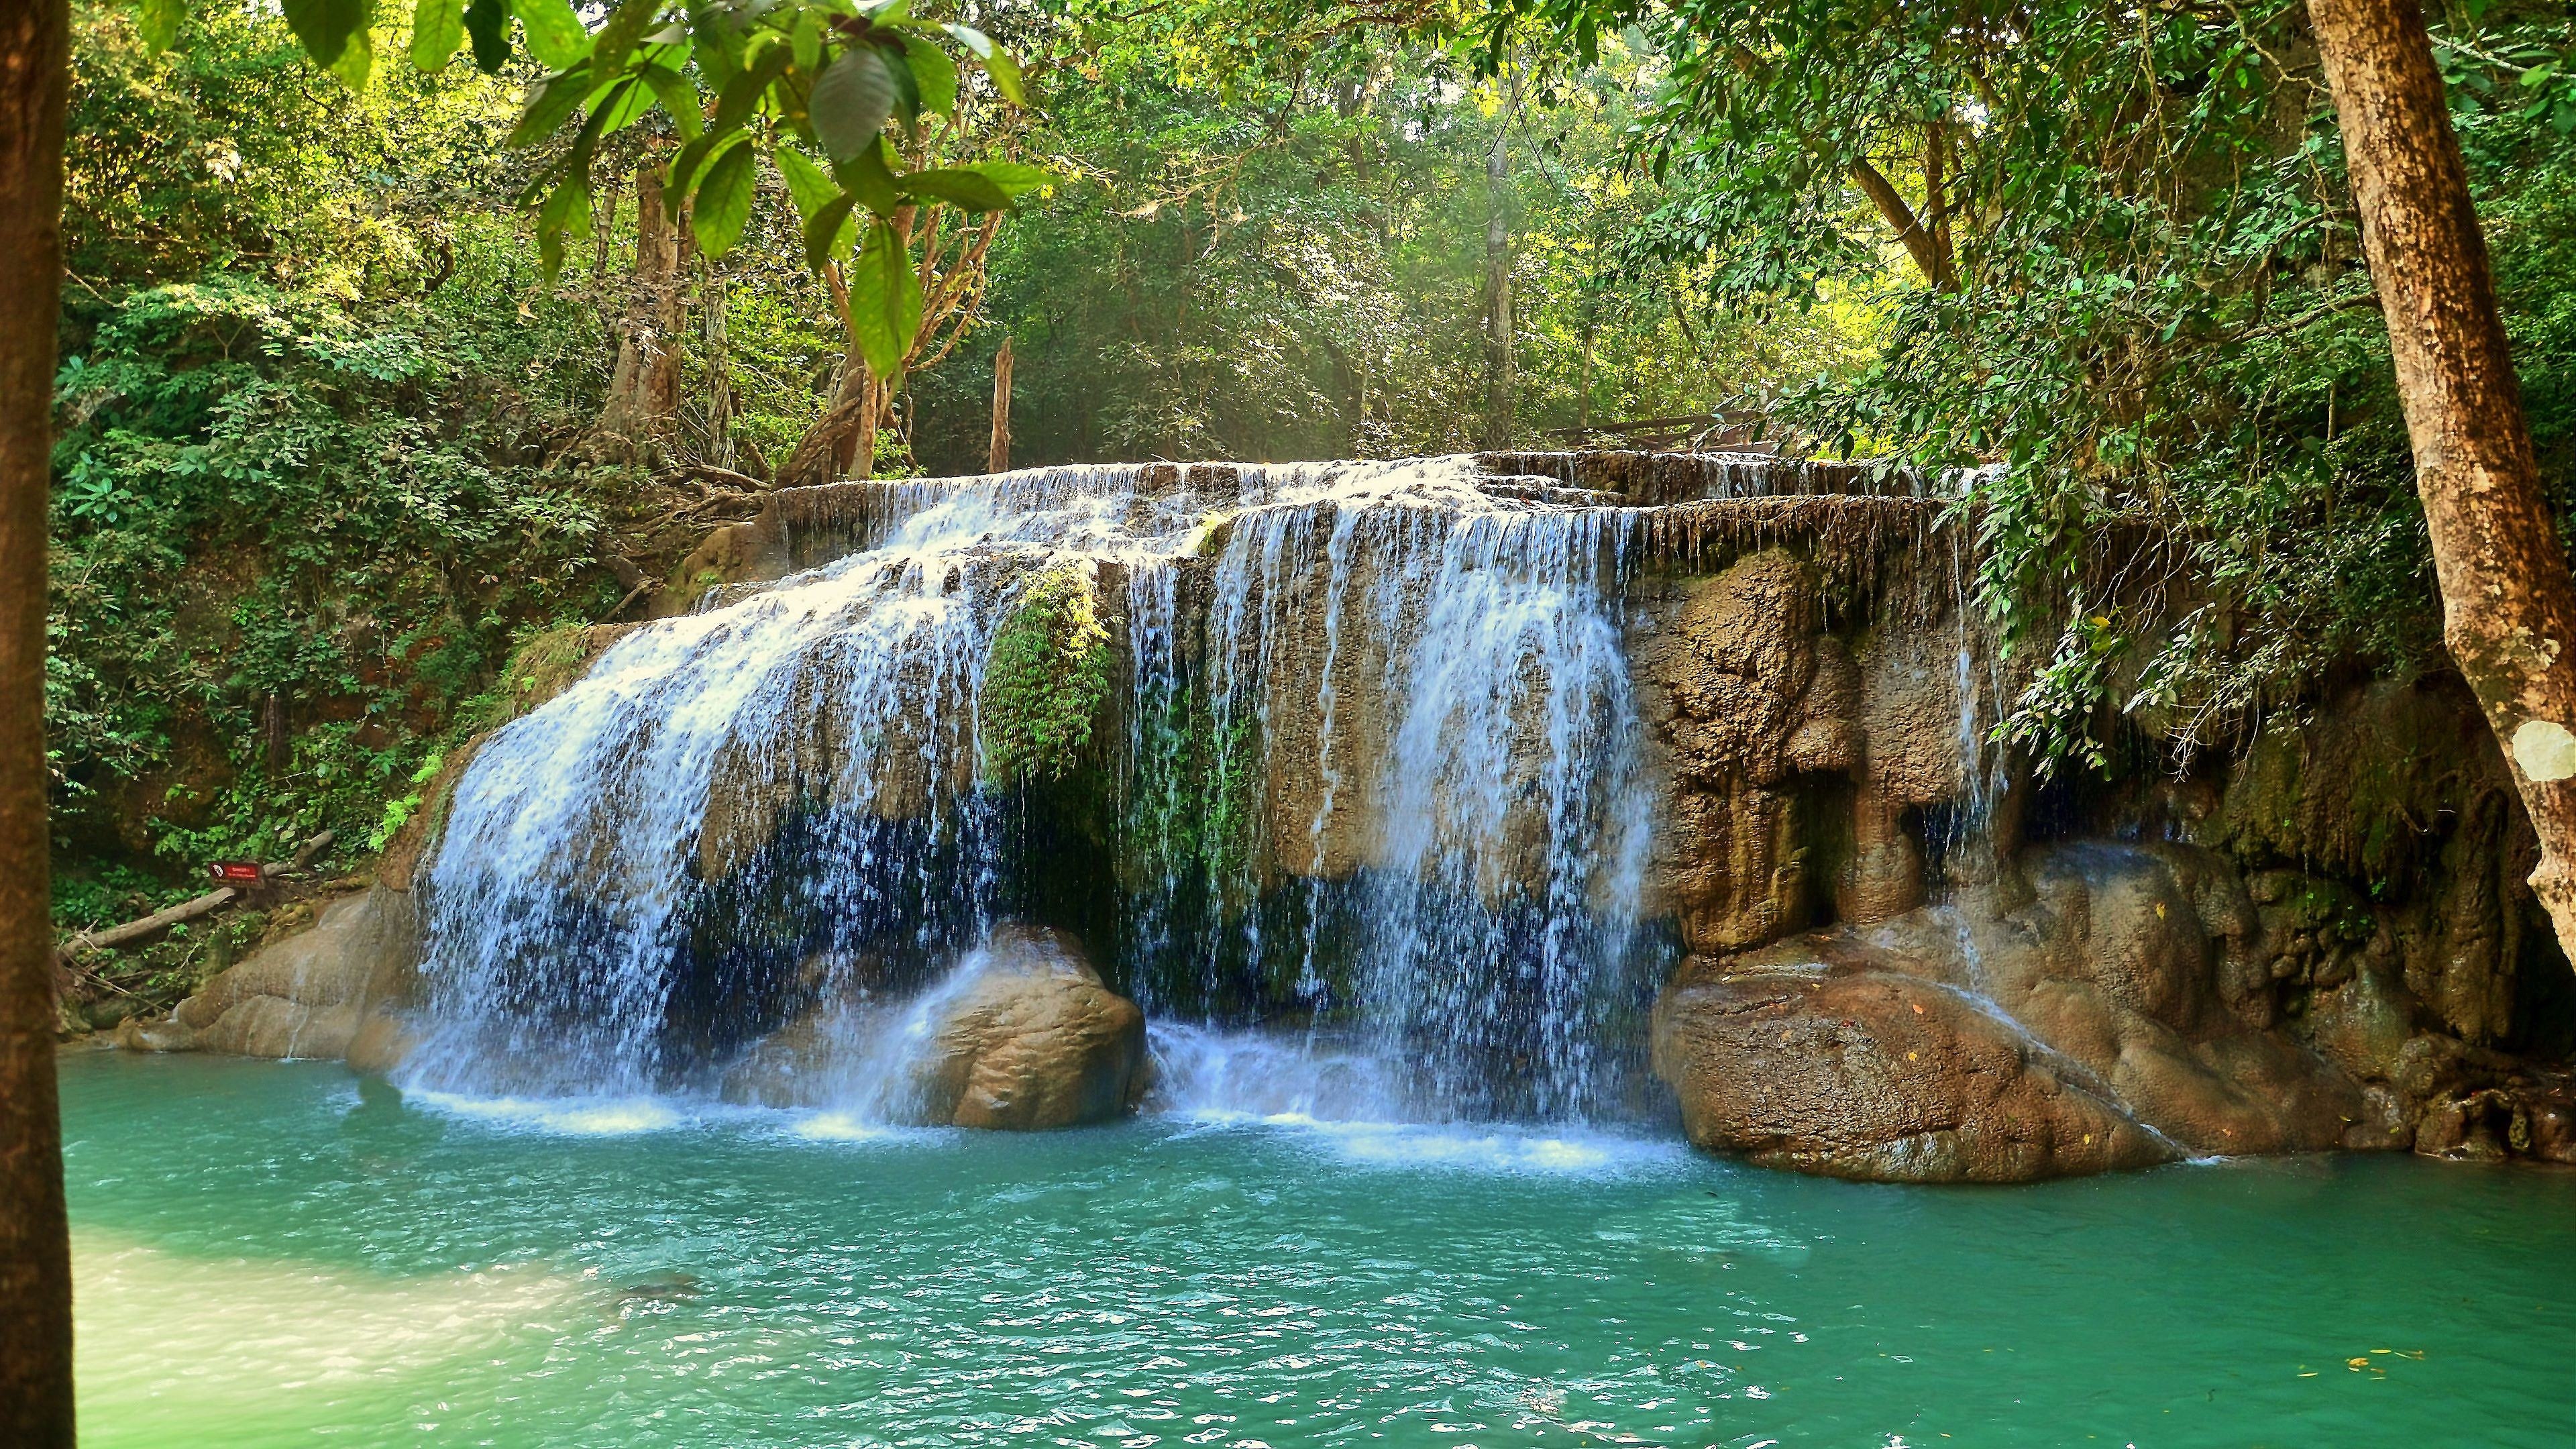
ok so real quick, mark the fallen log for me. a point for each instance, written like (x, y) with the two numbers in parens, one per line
(188, 910)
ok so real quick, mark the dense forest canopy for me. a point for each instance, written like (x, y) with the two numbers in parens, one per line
(334, 441)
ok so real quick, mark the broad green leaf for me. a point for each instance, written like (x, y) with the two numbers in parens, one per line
(886, 12)
(907, 92)
(626, 26)
(885, 300)
(488, 23)
(624, 104)
(829, 233)
(437, 29)
(357, 58)
(566, 213)
(158, 23)
(1006, 76)
(814, 191)
(549, 101)
(692, 162)
(808, 185)
(958, 186)
(997, 64)
(1015, 178)
(806, 41)
(678, 97)
(741, 95)
(555, 34)
(723, 202)
(934, 74)
(869, 179)
(850, 102)
(326, 26)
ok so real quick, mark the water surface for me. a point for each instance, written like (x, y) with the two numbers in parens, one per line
(275, 1254)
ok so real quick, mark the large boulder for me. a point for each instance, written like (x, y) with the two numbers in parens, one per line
(1850, 1069)
(2106, 1007)
(1027, 1036)
(1022, 1035)
(304, 995)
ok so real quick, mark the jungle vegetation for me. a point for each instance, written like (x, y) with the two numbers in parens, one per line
(342, 415)
(373, 369)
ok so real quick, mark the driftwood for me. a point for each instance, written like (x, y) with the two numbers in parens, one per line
(188, 910)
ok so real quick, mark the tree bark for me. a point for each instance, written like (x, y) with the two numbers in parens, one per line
(644, 388)
(2509, 609)
(711, 340)
(1928, 249)
(1501, 381)
(997, 458)
(35, 1241)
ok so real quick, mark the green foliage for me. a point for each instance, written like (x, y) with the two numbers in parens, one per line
(1193, 810)
(400, 809)
(1045, 681)
(307, 385)
(1272, 246)
(2145, 305)
(2055, 719)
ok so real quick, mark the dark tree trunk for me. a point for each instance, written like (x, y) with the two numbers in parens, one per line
(35, 1243)
(2509, 609)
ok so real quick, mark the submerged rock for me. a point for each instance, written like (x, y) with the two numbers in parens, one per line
(306, 995)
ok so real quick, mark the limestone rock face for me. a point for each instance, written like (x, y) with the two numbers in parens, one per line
(1029, 1037)
(1792, 755)
(307, 995)
(2105, 1008)
(1725, 688)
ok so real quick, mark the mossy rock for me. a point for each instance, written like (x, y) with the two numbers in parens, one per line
(1046, 680)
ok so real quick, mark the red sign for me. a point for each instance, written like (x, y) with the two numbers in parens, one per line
(236, 872)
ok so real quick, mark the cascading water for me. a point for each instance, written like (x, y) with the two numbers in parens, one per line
(1376, 788)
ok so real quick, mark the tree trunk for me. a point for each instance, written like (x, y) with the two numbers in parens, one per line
(998, 458)
(644, 390)
(35, 1242)
(2509, 609)
(711, 341)
(1501, 385)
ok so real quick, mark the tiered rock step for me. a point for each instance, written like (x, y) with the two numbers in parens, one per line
(1687, 510)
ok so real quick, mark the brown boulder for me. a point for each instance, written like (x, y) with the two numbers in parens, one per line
(1864, 1073)
(2102, 978)
(1027, 1036)
(1022, 1035)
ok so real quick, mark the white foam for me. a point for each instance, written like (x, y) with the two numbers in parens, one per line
(570, 1117)
(1467, 1147)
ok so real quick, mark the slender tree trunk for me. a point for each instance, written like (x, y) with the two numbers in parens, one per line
(35, 1243)
(668, 297)
(711, 338)
(998, 457)
(2509, 609)
(1501, 383)
(857, 448)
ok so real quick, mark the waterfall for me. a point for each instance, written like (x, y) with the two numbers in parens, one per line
(1369, 799)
